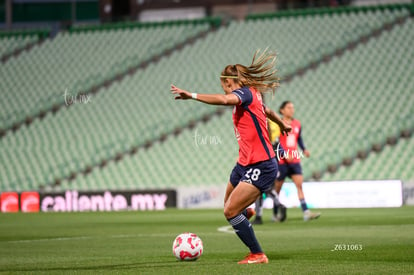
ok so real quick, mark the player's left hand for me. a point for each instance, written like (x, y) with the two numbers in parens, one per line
(284, 128)
(181, 94)
(307, 153)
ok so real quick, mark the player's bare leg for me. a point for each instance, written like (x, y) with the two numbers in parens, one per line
(307, 214)
(278, 185)
(243, 195)
(229, 189)
(298, 180)
(248, 212)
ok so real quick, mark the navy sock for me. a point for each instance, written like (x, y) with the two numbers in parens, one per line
(275, 208)
(259, 207)
(303, 205)
(244, 212)
(276, 202)
(244, 230)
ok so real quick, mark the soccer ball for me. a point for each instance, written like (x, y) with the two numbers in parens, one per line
(187, 247)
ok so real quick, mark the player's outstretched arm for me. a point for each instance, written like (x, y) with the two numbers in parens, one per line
(272, 115)
(214, 99)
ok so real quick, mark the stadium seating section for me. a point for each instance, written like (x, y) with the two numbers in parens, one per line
(17, 40)
(76, 61)
(394, 162)
(348, 104)
(10, 44)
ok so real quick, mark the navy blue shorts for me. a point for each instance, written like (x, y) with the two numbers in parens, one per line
(261, 174)
(287, 170)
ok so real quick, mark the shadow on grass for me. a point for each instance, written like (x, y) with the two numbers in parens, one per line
(109, 267)
(273, 256)
(159, 264)
(162, 264)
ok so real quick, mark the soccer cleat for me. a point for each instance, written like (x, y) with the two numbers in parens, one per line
(250, 212)
(257, 220)
(257, 258)
(308, 215)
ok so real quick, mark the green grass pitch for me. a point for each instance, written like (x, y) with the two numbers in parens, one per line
(141, 243)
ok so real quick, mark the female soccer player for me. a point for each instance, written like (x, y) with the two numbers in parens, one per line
(289, 163)
(256, 167)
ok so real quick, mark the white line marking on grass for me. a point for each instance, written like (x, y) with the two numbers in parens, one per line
(52, 239)
(122, 236)
(58, 239)
(226, 229)
(119, 236)
(229, 229)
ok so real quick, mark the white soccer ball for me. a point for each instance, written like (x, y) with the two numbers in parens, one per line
(187, 247)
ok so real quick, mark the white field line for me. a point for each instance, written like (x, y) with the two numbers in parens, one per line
(51, 239)
(226, 229)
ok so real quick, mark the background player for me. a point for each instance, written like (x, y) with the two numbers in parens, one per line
(289, 166)
(256, 168)
(289, 162)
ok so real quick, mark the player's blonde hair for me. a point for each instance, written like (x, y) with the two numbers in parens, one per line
(261, 74)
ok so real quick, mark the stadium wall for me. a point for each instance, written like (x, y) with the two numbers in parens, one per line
(53, 11)
(200, 197)
(408, 193)
(80, 201)
(335, 194)
(338, 194)
(345, 194)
